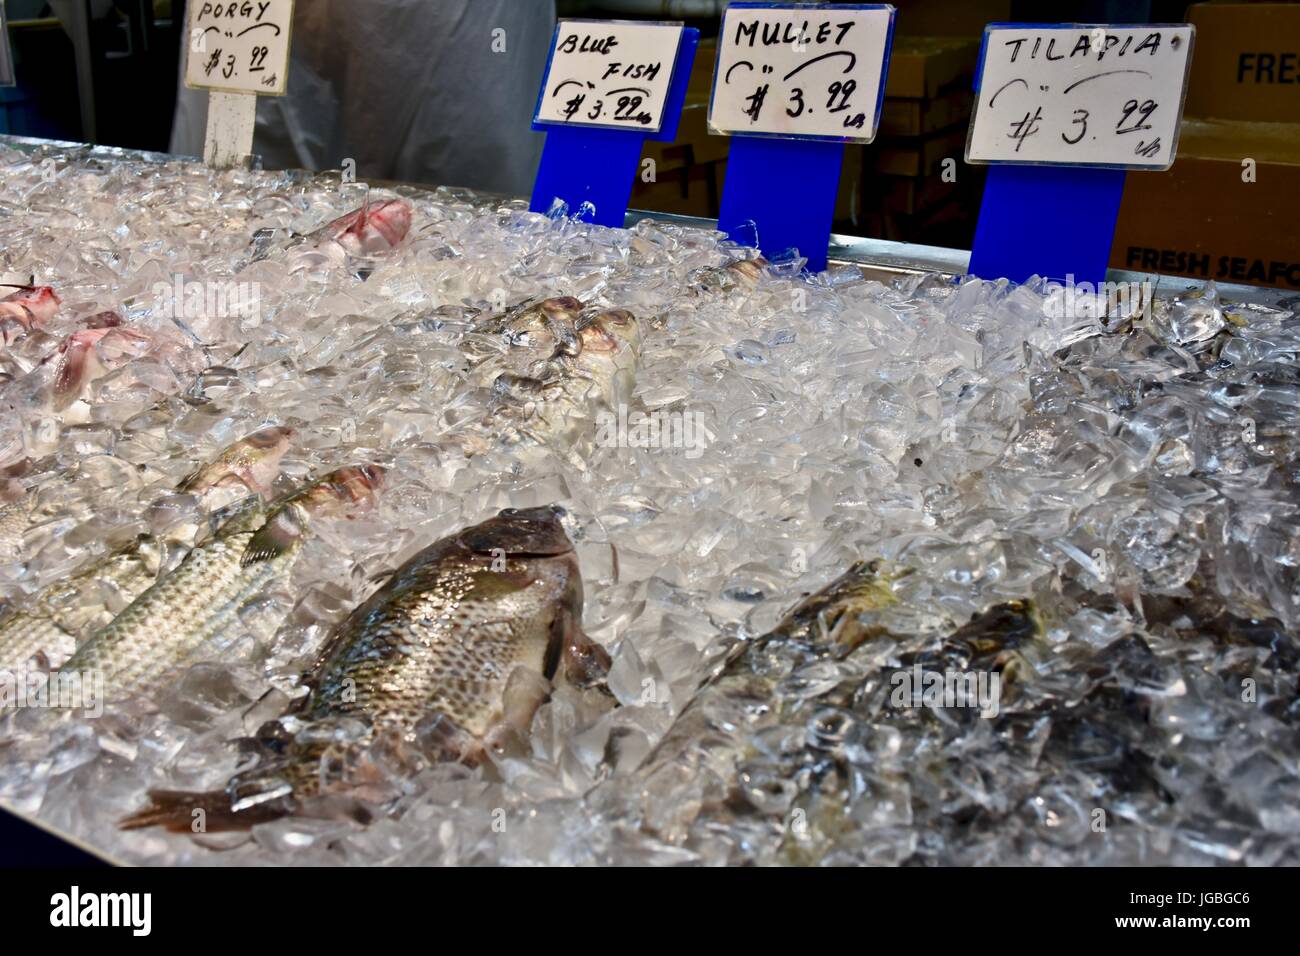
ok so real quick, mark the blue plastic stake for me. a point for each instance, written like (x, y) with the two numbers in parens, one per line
(1052, 221)
(599, 165)
(787, 187)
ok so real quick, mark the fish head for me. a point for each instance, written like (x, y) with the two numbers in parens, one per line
(562, 308)
(747, 271)
(834, 615)
(391, 218)
(548, 325)
(1004, 638)
(613, 334)
(344, 492)
(520, 532)
(103, 320)
(252, 463)
(374, 228)
(31, 305)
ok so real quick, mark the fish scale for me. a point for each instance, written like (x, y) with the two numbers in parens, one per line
(444, 639)
(179, 613)
(253, 551)
(52, 625)
(463, 641)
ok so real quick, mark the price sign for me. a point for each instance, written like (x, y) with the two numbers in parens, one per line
(1080, 95)
(239, 47)
(612, 73)
(6, 55)
(807, 71)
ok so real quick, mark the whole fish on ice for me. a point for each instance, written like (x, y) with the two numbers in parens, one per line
(46, 627)
(448, 659)
(197, 604)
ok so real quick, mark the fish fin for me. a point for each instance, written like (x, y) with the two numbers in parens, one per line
(72, 370)
(281, 532)
(586, 663)
(525, 691)
(444, 739)
(182, 811)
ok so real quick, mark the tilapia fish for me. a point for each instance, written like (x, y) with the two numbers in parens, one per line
(709, 748)
(827, 621)
(196, 606)
(584, 365)
(46, 628)
(445, 661)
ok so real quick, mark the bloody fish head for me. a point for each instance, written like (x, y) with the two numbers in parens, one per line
(31, 305)
(526, 532)
(374, 228)
(89, 353)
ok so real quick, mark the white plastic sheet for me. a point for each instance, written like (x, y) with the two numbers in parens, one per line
(411, 90)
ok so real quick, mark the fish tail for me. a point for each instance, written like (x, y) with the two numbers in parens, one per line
(184, 811)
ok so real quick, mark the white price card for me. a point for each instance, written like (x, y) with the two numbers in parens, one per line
(613, 73)
(239, 47)
(1080, 94)
(801, 71)
(6, 55)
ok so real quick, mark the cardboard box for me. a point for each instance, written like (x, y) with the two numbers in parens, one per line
(694, 144)
(1246, 64)
(923, 67)
(919, 156)
(916, 117)
(1203, 219)
(907, 196)
(687, 191)
(944, 17)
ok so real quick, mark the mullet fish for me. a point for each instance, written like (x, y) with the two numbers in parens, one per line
(198, 603)
(47, 627)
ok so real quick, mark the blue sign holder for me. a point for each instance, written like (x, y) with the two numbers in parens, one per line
(1051, 221)
(598, 165)
(1047, 220)
(786, 188)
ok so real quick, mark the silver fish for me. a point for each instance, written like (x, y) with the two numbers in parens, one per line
(199, 601)
(47, 627)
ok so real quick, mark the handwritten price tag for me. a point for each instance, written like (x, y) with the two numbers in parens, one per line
(612, 73)
(239, 47)
(1081, 95)
(813, 72)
